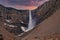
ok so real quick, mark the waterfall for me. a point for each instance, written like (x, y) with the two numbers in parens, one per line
(31, 23)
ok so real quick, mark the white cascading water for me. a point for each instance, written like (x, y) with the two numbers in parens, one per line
(31, 23)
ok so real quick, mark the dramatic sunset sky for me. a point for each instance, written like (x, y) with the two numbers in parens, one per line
(22, 4)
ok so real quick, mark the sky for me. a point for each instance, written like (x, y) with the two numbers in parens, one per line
(22, 4)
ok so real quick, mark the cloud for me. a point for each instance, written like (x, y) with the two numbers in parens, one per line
(19, 3)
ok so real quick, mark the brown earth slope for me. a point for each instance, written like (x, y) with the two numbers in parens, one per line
(47, 28)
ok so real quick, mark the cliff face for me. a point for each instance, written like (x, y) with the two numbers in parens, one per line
(16, 15)
(13, 17)
(42, 11)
